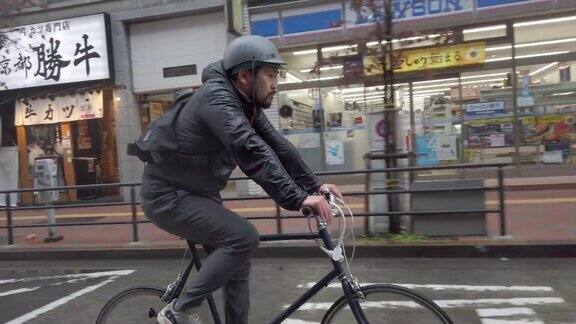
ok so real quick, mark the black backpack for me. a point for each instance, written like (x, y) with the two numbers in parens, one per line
(158, 144)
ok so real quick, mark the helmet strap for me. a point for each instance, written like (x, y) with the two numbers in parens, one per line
(253, 95)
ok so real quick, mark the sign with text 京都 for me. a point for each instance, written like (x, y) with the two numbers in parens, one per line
(55, 52)
(431, 58)
(88, 105)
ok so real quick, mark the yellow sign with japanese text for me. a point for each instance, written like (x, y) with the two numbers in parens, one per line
(431, 58)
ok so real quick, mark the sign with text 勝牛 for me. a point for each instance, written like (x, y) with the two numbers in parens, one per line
(55, 52)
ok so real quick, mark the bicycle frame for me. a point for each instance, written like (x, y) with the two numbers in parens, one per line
(338, 272)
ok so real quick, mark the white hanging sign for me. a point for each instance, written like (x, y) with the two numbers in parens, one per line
(59, 109)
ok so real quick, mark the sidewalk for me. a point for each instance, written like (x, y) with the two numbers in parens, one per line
(539, 222)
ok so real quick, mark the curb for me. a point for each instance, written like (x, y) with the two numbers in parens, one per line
(310, 251)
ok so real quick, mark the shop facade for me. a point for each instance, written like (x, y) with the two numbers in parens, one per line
(474, 81)
(154, 51)
(57, 87)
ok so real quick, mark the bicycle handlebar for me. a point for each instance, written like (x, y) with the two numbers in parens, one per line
(328, 195)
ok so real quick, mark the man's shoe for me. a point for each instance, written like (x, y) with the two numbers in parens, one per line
(170, 316)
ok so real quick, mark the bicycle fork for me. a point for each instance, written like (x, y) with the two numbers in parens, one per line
(349, 287)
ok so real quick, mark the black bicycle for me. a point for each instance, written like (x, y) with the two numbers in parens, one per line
(374, 303)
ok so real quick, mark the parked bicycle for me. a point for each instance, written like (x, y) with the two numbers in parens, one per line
(373, 303)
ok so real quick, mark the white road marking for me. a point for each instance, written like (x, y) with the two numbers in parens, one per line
(17, 291)
(297, 321)
(90, 275)
(450, 303)
(521, 321)
(59, 302)
(446, 287)
(495, 312)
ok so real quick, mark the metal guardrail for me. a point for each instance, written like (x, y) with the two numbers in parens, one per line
(133, 203)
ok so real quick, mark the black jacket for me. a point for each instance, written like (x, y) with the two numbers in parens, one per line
(222, 130)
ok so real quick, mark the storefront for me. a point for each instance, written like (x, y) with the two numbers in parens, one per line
(456, 96)
(57, 102)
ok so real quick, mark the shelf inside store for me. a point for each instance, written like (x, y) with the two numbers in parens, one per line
(535, 89)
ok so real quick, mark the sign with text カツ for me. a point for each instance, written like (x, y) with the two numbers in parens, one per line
(55, 52)
(59, 109)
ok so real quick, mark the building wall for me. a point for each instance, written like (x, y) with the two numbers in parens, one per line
(156, 45)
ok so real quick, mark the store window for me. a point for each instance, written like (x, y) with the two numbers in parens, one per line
(546, 91)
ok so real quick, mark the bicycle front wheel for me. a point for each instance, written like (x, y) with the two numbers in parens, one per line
(385, 303)
(134, 305)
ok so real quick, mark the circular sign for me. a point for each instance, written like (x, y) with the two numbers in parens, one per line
(381, 128)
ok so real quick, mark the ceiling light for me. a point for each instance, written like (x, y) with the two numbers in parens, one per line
(541, 54)
(545, 21)
(305, 52)
(498, 48)
(498, 59)
(557, 41)
(483, 29)
(482, 81)
(290, 78)
(337, 48)
(435, 85)
(544, 68)
(482, 75)
(324, 68)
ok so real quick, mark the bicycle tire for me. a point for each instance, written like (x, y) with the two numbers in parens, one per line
(405, 309)
(139, 313)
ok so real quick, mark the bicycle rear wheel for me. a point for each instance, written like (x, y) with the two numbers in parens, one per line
(135, 305)
(388, 304)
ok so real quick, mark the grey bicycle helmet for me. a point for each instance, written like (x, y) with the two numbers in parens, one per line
(250, 51)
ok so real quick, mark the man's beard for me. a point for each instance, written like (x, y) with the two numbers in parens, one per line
(265, 103)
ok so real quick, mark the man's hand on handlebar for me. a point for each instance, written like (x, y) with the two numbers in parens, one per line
(332, 188)
(320, 205)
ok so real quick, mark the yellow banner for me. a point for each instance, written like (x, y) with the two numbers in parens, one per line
(431, 58)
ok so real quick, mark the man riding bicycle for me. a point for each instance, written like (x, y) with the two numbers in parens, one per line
(219, 127)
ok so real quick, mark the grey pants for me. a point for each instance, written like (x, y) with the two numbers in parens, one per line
(229, 239)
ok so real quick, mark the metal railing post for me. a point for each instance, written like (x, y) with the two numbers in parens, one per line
(9, 219)
(278, 220)
(368, 163)
(501, 201)
(133, 205)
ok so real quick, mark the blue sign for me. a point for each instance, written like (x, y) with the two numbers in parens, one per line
(426, 153)
(485, 109)
(490, 3)
(402, 9)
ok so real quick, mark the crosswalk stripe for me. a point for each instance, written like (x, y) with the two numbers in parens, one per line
(507, 321)
(17, 291)
(445, 287)
(59, 302)
(450, 303)
(90, 275)
(491, 312)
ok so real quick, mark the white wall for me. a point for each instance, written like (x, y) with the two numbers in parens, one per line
(199, 40)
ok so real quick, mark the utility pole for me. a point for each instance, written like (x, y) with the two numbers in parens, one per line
(390, 116)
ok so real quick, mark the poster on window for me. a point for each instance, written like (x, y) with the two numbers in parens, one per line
(426, 154)
(549, 128)
(334, 152)
(446, 148)
(494, 132)
(88, 105)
